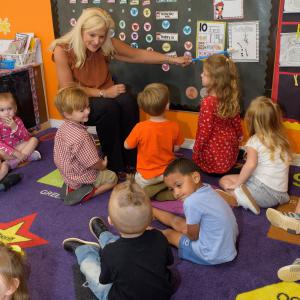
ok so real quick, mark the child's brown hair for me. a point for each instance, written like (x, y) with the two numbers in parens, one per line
(14, 271)
(129, 208)
(71, 98)
(264, 119)
(154, 99)
(223, 77)
(7, 96)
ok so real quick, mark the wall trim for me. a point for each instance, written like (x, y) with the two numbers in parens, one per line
(187, 144)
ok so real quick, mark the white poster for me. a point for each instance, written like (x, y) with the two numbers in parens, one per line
(210, 37)
(291, 6)
(243, 38)
(289, 50)
(228, 9)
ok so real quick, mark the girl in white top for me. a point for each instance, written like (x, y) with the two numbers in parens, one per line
(263, 180)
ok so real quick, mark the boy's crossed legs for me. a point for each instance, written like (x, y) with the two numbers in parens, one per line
(88, 257)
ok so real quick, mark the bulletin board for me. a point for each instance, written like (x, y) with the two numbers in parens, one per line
(139, 22)
(286, 83)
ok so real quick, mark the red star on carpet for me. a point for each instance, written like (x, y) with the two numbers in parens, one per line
(17, 233)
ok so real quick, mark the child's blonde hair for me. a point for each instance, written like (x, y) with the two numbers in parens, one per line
(264, 119)
(154, 99)
(92, 18)
(129, 208)
(223, 78)
(71, 98)
(14, 271)
(7, 96)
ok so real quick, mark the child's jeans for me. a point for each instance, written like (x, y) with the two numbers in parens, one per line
(89, 261)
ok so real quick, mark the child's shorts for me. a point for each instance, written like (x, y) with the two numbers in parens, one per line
(264, 195)
(105, 176)
(186, 251)
(142, 182)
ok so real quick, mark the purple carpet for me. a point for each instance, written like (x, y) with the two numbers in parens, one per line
(51, 267)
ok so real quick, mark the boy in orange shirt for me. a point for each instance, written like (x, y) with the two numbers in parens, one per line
(156, 140)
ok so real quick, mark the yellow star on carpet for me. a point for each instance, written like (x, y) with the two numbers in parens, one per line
(4, 26)
(10, 234)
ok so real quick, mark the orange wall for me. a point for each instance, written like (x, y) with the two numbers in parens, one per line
(35, 16)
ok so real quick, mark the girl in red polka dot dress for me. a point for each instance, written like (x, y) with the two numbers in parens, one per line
(219, 126)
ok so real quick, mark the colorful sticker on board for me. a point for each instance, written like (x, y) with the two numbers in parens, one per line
(166, 15)
(187, 53)
(135, 26)
(228, 9)
(166, 1)
(134, 36)
(210, 37)
(191, 92)
(187, 30)
(188, 45)
(122, 24)
(134, 45)
(150, 49)
(149, 38)
(123, 1)
(165, 24)
(146, 2)
(167, 36)
(134, 11)
(72, 1)
(111, 10)
(147, 26)
(166, 47)
(84, 1)
(4, 26)
(147, 12)
(122, 36)
(165, 67)
(111, 1)
(72, 22)
(96, 1)
(134, 2)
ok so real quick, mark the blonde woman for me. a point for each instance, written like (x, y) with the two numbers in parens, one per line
(263, 180)
(83, 55)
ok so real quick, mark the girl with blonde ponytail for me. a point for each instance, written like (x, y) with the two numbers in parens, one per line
(263, 180)
(219, 127)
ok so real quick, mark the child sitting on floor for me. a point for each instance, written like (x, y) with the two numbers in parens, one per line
(207, 235)
(133, 266)
(219, 126)
(13, 273)
(155, 139)
(263, 180)
(75, 154)
(16, 143)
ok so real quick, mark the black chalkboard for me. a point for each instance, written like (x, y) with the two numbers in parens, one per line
(254, 75)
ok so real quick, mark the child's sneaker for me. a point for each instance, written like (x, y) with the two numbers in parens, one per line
(291, 272)
(71, 244)
(287, 221)
(97, 226)
(9, 180)
(35, 155)
(245, 199)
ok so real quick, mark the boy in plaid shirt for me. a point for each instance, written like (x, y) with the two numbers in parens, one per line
(75, 154)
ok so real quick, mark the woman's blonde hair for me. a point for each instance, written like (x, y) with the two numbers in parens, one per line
(12, 268)
(91, 19)
(264, 119)
(223, 78)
